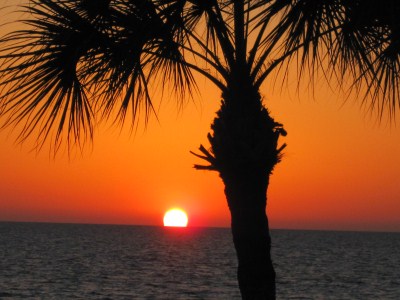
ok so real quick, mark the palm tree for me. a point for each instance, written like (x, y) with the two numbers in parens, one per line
(77, 62)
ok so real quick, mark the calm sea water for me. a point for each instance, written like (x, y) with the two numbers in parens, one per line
(67, 261)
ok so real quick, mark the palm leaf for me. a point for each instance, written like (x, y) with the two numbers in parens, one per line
(40, 83)
(345, 39)
(78, 58)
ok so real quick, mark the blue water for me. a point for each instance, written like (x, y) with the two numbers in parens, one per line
(67, 261)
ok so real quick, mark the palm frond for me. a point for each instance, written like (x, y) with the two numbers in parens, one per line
(40, 83)
(345, 39)
(80, 59)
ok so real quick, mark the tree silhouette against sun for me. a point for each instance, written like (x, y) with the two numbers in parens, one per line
(74, 63)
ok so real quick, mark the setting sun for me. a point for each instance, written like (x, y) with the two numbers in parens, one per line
(175, 218)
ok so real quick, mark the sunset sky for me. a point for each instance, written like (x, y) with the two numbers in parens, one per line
(341, 169)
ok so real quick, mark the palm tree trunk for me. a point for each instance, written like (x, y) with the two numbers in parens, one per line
(244, 150)
(246, 195)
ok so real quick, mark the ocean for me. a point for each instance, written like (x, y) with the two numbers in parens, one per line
(71, 261)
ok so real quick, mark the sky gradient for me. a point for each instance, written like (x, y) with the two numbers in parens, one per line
(340, 171)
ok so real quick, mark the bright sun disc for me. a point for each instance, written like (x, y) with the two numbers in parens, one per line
(175, 218)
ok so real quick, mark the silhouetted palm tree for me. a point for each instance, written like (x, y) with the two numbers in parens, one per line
(77, 60)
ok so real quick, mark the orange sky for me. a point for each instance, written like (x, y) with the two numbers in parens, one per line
(341, 170)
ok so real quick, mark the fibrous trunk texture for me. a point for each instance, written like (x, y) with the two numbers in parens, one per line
(244, 150)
